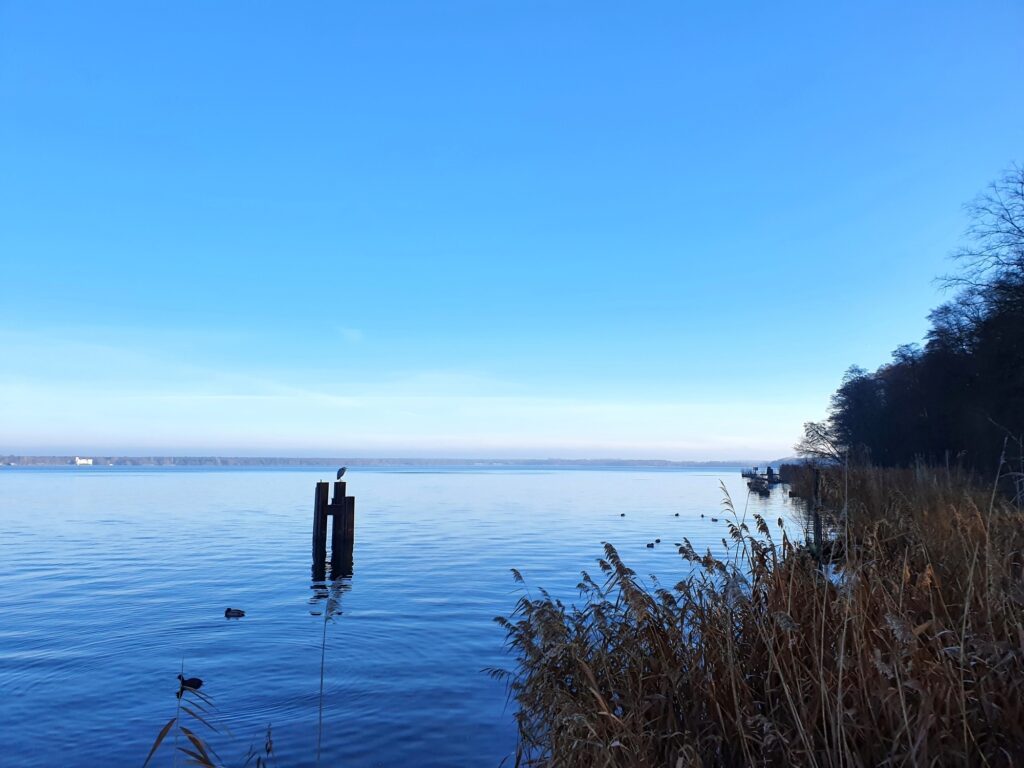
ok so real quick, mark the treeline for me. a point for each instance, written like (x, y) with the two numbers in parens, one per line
(960, 397)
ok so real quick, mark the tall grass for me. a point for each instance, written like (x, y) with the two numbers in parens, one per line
(909, 651)
(191, 730)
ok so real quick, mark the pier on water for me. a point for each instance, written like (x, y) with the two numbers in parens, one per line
(341, 510)
(761, 482)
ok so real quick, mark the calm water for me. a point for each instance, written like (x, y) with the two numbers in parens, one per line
(111, 578)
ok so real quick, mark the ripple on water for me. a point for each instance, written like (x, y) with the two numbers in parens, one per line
(104, 604)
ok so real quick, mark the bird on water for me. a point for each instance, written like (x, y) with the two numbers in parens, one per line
(341, 473)
(190, 682)
(233, 613)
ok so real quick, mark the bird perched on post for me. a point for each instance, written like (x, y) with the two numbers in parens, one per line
(341, 472)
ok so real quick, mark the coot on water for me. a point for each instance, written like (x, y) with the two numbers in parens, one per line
(190, 682)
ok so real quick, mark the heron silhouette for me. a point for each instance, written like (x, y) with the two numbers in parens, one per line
(341, 472)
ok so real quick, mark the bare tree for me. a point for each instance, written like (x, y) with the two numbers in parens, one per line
(994, 255)
(819, 442)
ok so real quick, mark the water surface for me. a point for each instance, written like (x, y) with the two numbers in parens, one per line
(111, 579)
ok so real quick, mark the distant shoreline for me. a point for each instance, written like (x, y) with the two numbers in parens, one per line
(283, 461)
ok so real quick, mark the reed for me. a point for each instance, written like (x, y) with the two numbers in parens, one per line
(193, 725)
(908, 651)
(191, 729)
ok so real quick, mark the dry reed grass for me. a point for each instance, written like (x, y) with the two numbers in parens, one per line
(191, 730)
(908, 652)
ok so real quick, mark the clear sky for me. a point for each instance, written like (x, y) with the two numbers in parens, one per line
(656, 229)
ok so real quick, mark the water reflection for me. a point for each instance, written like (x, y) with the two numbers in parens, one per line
(326, 598)
(327, 594)
(326, 602)
(405, 654)
(341, 562)
(339, 567)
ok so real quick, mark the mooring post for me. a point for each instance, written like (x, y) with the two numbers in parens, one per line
(349, 521)
(342, 533)
(320, 525)
(343, 509)
(337, 529)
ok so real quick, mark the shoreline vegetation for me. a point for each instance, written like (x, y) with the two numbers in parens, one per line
(959, 400)
(905, 647)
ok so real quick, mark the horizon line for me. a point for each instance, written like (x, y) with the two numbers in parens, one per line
(363, 460)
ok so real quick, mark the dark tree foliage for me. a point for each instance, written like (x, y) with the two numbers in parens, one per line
(961, 397)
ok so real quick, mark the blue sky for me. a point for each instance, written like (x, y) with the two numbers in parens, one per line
(477, 228)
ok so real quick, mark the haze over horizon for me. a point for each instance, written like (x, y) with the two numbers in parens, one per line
(137, 459)
(455, 230)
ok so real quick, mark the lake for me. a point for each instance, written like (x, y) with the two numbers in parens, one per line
(112, 580)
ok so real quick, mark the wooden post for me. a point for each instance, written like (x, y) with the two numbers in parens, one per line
(349, 520)
(817, 535)
(816, 512)
(320, 527)
(337, 529)
(342, 509)
(342, 535)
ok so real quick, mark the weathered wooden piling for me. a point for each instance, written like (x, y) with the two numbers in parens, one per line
(816, 516)
(342, 509)
(320, 526)
(343, 537)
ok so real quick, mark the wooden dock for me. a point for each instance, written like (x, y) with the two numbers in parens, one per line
(761, 482)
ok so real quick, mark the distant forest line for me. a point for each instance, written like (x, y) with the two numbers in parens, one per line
(253, 461)
(959, 398)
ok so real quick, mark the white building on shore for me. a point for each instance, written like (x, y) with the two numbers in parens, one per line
(80, 462)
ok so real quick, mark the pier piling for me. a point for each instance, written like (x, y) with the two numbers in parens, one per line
(342, 509)
(816, 515)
